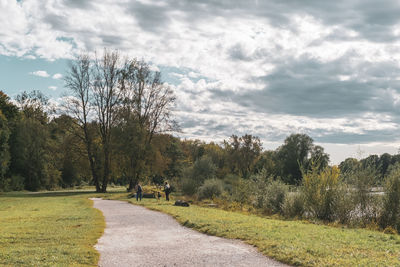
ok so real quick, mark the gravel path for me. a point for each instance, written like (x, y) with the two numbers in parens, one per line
(136, 236)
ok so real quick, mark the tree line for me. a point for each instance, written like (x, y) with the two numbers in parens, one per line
(115, 127)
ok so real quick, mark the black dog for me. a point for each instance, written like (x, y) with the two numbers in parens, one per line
(181, 203)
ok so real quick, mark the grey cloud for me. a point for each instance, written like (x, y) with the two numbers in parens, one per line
(364, 138)
(372, 19)
(57, 22)
(151, 18)
(311, 88)
(81, 4)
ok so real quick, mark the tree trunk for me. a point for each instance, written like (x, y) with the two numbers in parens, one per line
(106, 173)
(91, 161)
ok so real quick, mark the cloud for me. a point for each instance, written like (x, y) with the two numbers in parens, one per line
(57, 76)
(40, 73)
(326, 68)
(53, 88)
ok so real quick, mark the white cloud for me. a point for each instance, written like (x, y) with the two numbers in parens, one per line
(233, 48)
(53, 88)
(40, 73)
(57, 76)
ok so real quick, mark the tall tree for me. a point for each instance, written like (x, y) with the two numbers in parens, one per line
(30, 151)
(107, 92)
(4, 149)
(295, 154)
(147, 110)
(79, 82)
(243, 153)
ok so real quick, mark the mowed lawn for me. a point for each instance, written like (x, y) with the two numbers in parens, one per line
(49, 229)
(294, 242)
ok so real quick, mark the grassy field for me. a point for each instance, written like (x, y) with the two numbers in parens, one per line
(294, 242)
(49, 229)
(61, 228)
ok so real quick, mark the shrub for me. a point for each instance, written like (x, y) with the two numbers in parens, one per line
(210, 189)
(321, 191)
(195, 175)
(345, 206)
(391, 202)
(189, 186)
(17, 183)
(269, 194)
(362, 179)
(203, 169)
(293, 205)
(241, 189)
(275, 195)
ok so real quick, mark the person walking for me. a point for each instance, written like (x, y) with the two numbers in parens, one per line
(167, 190)
(139, 192)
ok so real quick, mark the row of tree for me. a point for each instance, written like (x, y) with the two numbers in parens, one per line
(114, 127)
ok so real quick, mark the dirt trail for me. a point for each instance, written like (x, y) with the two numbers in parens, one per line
(136, 236)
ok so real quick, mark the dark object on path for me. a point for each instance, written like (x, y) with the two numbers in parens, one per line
(181, 203)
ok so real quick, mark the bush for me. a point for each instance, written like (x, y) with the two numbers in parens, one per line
(210, 189)
(241, 191)
(321, 192)
(17, 183)
(391, 202)
(194, 176)
(293, 205)
(202, 169)
(189, 187)
(345, 206)
(269, 194)
(275, 195)
(362, 179)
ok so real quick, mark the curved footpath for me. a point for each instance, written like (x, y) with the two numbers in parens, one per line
(136, 236)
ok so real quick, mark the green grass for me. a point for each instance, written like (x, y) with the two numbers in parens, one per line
(49, 229)
(294, 242)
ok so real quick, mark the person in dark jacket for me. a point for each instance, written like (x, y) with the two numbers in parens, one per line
(139, 192)
(167, 190)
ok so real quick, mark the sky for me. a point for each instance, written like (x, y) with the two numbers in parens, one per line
(328, 69)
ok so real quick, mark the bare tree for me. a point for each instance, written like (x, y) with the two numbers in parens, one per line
(78, 81)
(111, 94)
(106, 98)
(148, 104)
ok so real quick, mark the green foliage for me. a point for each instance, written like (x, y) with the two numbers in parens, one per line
(391, 202)
(241, 190)
(320, 191)
(293, 205)
(295, 153)
(16, 183)
(189, 186)
(210, 188)
(4, 148)
(193, 177)
(344, 205)
(242, 154)
(269, 194)
(203, 169)
(361, 180)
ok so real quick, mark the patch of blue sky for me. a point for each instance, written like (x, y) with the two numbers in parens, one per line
(69, 40)
(173, 75)
(17, 76)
